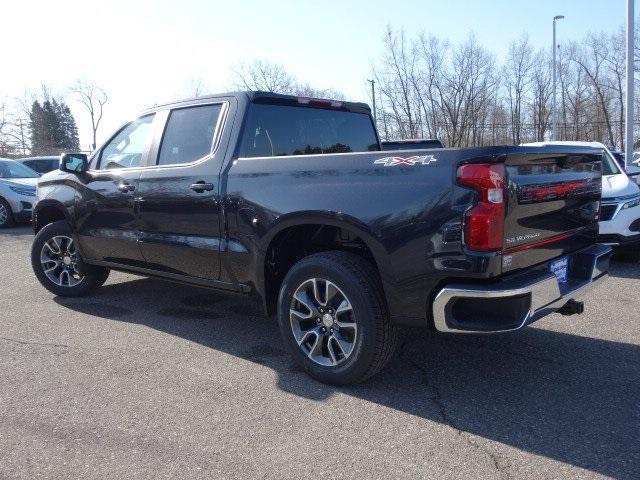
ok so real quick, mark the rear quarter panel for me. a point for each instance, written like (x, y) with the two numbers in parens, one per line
(408, 215)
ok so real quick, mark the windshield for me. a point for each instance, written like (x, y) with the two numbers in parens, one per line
(609, 165)
(11, 169)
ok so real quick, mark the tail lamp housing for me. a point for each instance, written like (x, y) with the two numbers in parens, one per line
(484, 222)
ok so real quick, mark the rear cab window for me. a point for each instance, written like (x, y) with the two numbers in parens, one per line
(277, 130)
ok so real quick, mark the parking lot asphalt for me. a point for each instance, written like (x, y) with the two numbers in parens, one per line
(149, 379)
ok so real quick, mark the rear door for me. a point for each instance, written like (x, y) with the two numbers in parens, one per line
(107, 222)
(178, 196)
(552, 203)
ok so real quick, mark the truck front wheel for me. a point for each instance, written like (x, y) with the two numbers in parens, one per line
(333, 317)
(58, 265)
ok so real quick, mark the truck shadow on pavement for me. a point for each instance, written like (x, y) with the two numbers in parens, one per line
(569, 398)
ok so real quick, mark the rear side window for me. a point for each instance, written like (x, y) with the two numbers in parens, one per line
(274, 130)
(32, 164)
(189, 134)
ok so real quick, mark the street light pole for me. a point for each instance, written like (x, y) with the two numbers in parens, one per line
(628, 140)
(373, 97)
(554, 111)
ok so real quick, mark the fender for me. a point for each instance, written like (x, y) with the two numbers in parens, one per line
(50, 203)
(334, 219)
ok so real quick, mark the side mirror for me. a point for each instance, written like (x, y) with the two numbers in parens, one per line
(74, 163)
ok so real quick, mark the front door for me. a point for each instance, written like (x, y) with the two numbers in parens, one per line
(106, 215)
(178, 198)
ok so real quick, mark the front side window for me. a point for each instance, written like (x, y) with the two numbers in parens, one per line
(126, 149)
(189, 134)
(274, 130)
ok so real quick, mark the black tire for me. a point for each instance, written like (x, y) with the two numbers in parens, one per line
(9, 221)
(377, 337)
(93, 277)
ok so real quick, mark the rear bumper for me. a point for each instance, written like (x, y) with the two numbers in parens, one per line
(519, 299)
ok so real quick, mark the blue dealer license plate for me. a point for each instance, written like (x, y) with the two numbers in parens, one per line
(559, 268)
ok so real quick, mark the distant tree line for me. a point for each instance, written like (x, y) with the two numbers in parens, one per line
(42, 124)
(464, 96)
(426, 87)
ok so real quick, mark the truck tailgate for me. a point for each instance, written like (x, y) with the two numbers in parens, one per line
(552, 204)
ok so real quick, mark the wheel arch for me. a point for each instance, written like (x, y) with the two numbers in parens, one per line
(48, 211)
(290, 230)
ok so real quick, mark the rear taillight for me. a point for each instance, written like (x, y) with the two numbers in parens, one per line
(484, 223)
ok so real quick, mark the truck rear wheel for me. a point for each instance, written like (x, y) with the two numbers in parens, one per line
(58, 265)
(333, 318)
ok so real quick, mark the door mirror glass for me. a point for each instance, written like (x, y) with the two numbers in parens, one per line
(74, 163)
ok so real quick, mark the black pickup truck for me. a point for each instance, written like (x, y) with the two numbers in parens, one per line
(294, 201)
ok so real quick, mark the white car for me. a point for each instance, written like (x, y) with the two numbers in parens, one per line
(620, 207)
(17, 192)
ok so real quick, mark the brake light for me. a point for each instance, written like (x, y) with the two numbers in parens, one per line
(312, 102)
(484, 223)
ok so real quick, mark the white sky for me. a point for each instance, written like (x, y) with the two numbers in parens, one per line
(145, 52)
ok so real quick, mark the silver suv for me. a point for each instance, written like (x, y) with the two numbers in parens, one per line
(17, 192)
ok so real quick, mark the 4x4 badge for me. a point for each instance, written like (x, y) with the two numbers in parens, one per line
(393, 161)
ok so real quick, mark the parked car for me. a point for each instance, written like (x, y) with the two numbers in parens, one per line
(413, 144)
(632, 170)
(620, 208)
(291, 199)
(17, 192)
(42, 164)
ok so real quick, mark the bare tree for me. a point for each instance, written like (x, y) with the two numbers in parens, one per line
(592, 60)
(194, 87)
(517, 71)
(306, 90)
(541, 91)
(263, 76)
(14, 137)
(94, 99)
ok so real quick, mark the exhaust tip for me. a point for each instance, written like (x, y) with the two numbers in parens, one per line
(572, 307)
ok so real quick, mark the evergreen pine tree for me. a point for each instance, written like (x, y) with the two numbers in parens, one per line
(53, 127)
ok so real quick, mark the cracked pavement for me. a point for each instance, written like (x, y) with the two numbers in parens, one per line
(148, 379)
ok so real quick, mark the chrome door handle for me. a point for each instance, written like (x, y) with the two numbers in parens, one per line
(126, 187)
(200, 187)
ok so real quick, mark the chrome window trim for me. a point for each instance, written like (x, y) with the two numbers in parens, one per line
(215, 142)
(372, 152)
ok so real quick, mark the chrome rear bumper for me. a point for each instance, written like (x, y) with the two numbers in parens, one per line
(518, 300)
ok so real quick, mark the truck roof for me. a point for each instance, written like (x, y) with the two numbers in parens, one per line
(270, 97)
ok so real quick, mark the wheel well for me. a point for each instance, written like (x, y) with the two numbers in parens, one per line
(46, 215)
(295, 243)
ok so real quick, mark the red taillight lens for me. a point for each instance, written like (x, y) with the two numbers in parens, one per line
(484, 223)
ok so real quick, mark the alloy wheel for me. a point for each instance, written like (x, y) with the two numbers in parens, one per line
(59, 260)
(323, 322)
(4, 214)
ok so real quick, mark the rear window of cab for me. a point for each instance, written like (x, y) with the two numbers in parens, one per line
(278, 130)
